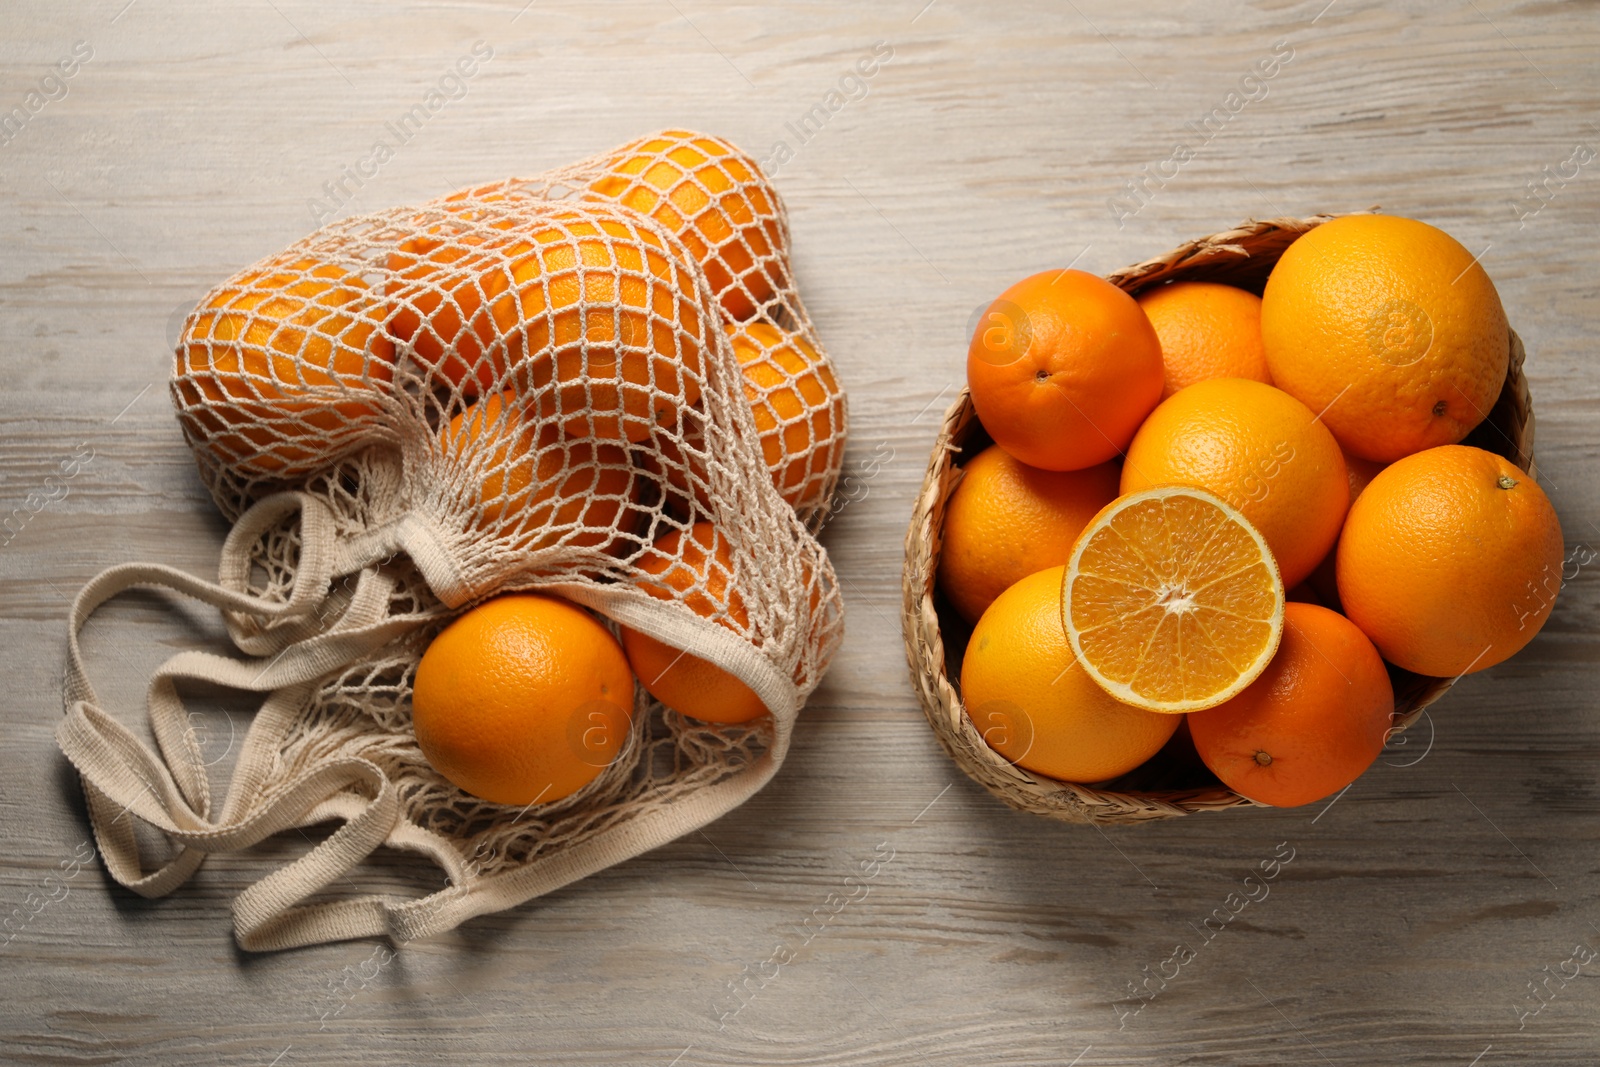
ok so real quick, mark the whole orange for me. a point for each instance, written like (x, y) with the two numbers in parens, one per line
(439, 281)
(1315, 719)
(632, 357)
(714, 199)
(1007, 520)
(1450, 560)
(698, 570)
(1036, 706)
(798, 408)
(524, 699)
(1389, 329)
(585, 309)
(534, 486)
(1063, 367)
(1259, 449)
(1207, 331)
(284, 367)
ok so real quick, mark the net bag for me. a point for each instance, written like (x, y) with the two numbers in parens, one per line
(574, 384)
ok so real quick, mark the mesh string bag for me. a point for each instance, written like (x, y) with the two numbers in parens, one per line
(537, 384)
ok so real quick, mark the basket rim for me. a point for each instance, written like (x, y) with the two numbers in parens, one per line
(1244, 248)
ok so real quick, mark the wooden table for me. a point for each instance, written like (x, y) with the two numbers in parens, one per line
(1420, 911)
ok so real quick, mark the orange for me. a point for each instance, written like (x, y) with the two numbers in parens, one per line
(284, 367)
(1207, 331)
(590, 312)
(1007, 520)
(1450, 560)
(1171, 600)
(1063, 368)
(714, 199)
(533, 485)
(799, 410)
(699, 572)
(1315, 719)
(1035, 706)
(1389, 328)
(440, 284)
(1259, 449)
(524, 699)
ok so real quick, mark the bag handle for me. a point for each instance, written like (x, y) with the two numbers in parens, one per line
(293, 650)
(170, 790)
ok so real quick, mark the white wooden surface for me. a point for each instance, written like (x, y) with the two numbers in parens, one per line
(1417, 909)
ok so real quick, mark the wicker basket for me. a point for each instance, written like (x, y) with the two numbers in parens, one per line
(1173, 782)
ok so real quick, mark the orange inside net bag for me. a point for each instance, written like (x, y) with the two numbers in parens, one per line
(531, 385)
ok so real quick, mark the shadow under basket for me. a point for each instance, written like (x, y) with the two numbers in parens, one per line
(1174, 781)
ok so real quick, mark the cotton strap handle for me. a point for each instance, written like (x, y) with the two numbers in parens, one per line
(170, 790)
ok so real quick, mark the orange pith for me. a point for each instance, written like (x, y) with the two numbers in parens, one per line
(1172, 600)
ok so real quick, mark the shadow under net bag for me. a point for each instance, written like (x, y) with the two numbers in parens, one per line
(530, 385)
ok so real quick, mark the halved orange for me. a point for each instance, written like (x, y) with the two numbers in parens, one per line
(1171, 600)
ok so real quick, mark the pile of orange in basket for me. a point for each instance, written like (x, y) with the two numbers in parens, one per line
(1217, 511)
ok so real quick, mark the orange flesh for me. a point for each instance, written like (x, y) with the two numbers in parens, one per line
(1172, 600)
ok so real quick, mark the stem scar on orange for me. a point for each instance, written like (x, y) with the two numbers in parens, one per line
(1063, 367)
(1172, 600)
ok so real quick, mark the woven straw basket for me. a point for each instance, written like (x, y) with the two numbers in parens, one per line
(1173, 782)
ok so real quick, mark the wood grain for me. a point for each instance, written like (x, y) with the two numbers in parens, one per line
(1417, 908)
